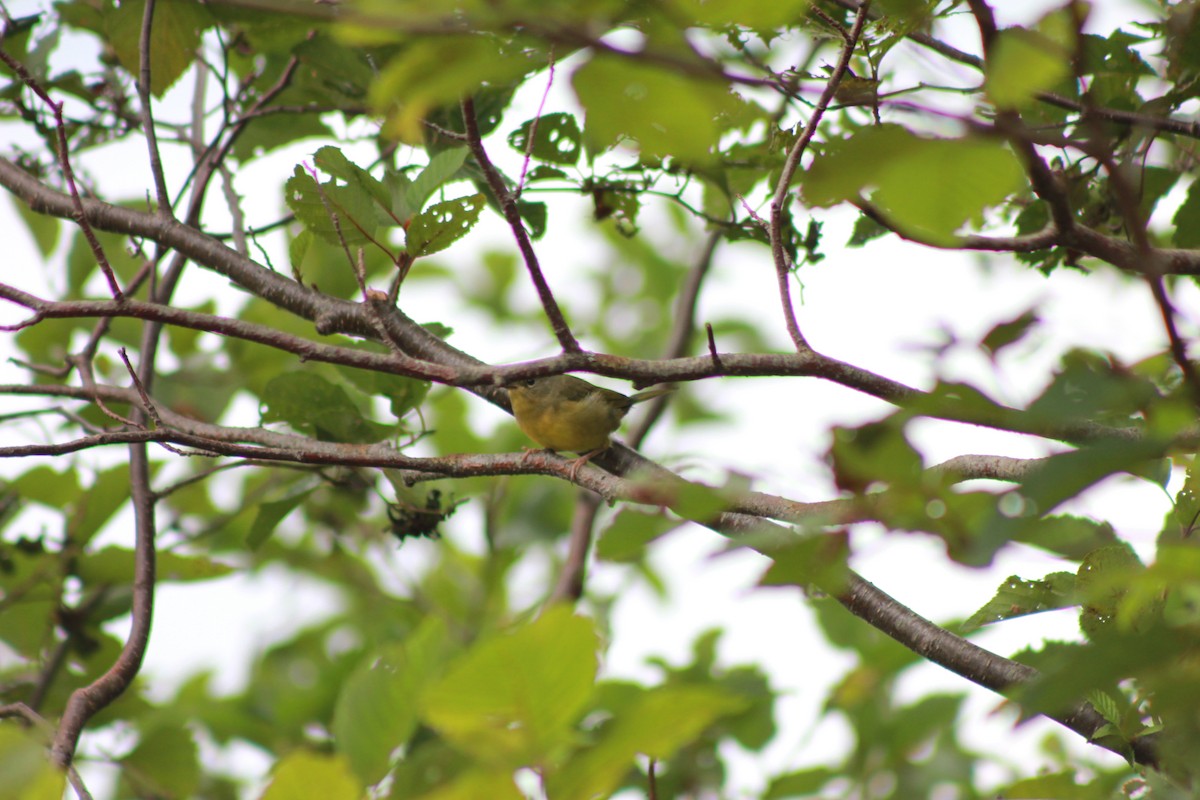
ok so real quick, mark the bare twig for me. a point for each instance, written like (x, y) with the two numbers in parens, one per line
(569, 586)
(147, 113)
(64, 160)
(782, 195)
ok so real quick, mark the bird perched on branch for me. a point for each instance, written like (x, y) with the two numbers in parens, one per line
(562, 412)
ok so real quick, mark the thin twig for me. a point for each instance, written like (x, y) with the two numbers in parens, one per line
(782, 194)
(64, 161)
(147, 114)
(508, 207)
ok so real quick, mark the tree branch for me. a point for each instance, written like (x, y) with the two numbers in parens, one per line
(512, 214)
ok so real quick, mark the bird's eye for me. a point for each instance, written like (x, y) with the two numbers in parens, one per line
(529, 382)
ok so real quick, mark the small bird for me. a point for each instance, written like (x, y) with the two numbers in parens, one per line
(562, 412)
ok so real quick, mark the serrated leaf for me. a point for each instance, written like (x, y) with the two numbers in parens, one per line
(1019, 598)
(175, 38)
(332, 161)
(442, 224)
(316, 206)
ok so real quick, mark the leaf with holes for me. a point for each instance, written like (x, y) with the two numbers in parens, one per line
(555, 138)
(442, 224)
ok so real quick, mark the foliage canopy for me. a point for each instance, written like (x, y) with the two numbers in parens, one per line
(278, 358)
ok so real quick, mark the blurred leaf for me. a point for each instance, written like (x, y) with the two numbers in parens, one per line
(28, 773)
(510, 699)
(114, 565)
(377, 707)
(932, 186)
(1009, 333)
(164, 764)
(555, 138)
(1185, 225)
(42, 484)
(656, 722)
(302, 775)
(1021, 64)
(625, 99)
(270, 514)
(630, 532)
(43, 228)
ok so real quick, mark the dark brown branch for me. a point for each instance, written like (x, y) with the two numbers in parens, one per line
(508, 207)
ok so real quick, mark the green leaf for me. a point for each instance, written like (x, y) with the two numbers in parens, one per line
(376, 711)
(309, 403)
(317, 207)
(758, 15)
(164, 764)
(1009, 333)
(42, 484)
(1018, 598)
(333, 161)
(1043, 787)
(630, 532)
(1021, 64)
(1186, 222)
(512, 698)
(442, 224)
(175, 37)
(535, 216)
(436, 70)
(108, 492)
(1071, 537)
(302, 775)
(931, 187)
(42, 227)
(657, 723)
(269, 515)
(442, 169)
(667, 113)
(25, 765)
(555, 138)
(113, 565)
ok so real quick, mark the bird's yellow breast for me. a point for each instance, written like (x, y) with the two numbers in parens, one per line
(557, 423)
